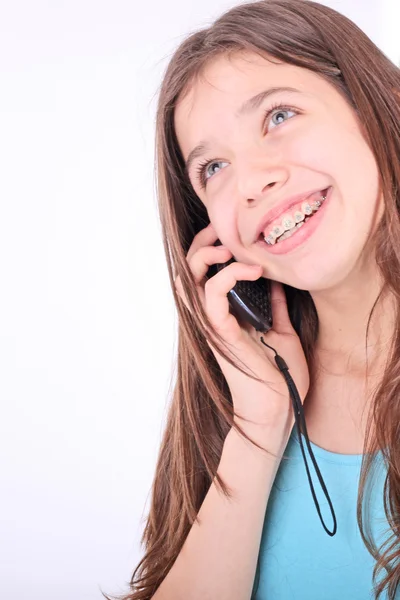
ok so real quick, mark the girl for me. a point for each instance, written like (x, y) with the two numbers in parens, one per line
(281, 116)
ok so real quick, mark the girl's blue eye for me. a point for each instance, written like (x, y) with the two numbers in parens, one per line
(202, 169)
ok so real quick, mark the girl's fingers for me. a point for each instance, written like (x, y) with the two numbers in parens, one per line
(199, 263)
(216, 290)
(201, 260)
(205, 237)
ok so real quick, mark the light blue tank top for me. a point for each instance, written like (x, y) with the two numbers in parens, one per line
(298, 560)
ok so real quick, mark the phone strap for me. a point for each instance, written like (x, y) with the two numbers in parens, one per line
(301, 425)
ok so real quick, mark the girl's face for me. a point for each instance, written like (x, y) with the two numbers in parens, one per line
(255, 163)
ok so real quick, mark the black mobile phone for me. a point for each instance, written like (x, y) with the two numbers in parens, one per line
(249, 301)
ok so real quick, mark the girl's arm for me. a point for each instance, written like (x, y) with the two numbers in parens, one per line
(219, 557)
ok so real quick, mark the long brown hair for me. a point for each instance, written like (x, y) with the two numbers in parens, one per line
(315, 37)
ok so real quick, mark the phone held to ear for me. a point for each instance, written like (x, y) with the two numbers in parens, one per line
(249, 300)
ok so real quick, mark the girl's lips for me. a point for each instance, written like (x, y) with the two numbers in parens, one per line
(275, 215)
(301, 235)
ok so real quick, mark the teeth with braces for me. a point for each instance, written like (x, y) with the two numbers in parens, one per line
(290, 224)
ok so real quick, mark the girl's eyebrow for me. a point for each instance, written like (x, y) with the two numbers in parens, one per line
(247, 107)
(253, 103)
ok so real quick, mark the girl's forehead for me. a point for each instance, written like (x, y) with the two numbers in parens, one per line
(227, 92)
(228, 82)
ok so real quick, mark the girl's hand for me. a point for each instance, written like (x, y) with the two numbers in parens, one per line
(265, 404)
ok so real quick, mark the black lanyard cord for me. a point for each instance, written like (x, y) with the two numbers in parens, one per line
(299, 416)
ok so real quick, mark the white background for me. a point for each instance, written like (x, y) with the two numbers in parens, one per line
(87, 323)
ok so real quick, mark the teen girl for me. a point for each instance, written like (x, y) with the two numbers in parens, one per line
(283, 116)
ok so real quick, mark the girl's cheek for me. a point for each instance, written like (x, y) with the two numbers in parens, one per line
(224, 222)
(306, 150)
